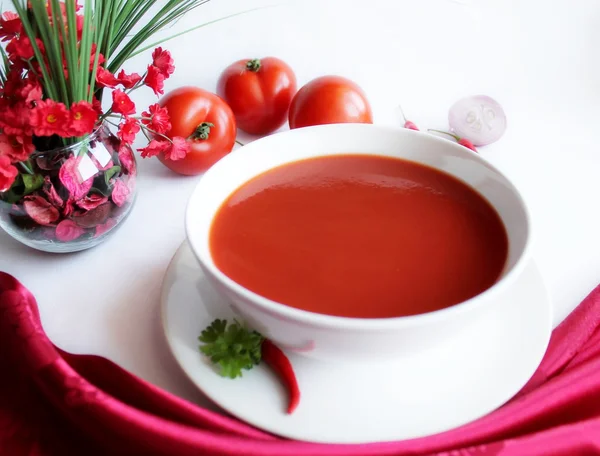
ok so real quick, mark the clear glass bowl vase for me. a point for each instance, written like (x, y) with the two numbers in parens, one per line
(71, 198)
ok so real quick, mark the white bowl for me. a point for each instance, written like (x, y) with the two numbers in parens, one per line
(341, 338)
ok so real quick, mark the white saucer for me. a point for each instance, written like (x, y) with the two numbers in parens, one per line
(358, 403)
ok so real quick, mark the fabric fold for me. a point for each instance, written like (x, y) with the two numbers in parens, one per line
(56, 403)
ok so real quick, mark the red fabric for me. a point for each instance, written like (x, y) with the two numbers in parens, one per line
(56, 403)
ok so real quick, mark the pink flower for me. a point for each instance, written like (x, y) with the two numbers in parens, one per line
(155, 80)
(128, 129)
(8, 173)
(105, 227)
(83, 118)
(92, 202)
(71, 179)
(50, 118)
(68, 230)
(178, 150)
(105, 78)
(122, 104)
(120, 193)
(40, 210)
(157, 119)
(128, 80)
(163, 61)
(154, 148)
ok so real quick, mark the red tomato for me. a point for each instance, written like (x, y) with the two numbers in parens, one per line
(328, 100)
(195, 112)
(259, 93)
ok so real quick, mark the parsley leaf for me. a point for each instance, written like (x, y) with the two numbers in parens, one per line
(233, 348)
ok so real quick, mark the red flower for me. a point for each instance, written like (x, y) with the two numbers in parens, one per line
(8, 173)
(17, 119)
(16, 148)
(163, 61)
(83, 118)
(101, 58)
(10, 25)
(50, 118)
(155, 80)
(105, 78)
(128, 129)
(178, 150)
(21, 48)
(128, 80)
(154, 148)
(157, 119)
(97, 106)
(30, 92)
(122, 104)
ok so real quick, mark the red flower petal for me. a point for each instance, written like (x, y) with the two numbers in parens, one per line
(163, 61)
(120, 193)
(50, 118)
(178, 150)
(40, 210)
(122, 104)
(92, 202)
(157, 119)
(8, 173)
(105, 78)
(68, 230)
(82, 119)
(128, 129)
(154, 148)
(71, 179)
(128, 80)
(155, 80)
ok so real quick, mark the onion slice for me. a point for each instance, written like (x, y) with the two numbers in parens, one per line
(478, 118)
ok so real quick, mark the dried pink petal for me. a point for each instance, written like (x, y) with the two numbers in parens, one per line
(40, 210)
(126, 159)
(68, 209)
(71, 179)
(68, 230)
(94, 217)
(52, 194)
(92, 202)
(120, 193)
(105, 227)
(131, 183)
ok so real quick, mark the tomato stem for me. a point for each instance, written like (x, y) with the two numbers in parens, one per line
(445, 133)
(239, 142)
(202, 131)
(253, 65)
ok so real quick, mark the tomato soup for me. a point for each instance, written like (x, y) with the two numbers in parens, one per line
(359, 236)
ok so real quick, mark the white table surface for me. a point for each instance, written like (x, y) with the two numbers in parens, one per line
(538, 58)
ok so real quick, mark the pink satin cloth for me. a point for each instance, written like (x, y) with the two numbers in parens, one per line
(56, 403)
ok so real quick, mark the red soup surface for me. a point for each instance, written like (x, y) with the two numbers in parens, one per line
(359, 236)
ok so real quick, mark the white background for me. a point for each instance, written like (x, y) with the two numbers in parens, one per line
(538, 58)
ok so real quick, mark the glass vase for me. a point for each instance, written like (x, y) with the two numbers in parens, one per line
(71, 198)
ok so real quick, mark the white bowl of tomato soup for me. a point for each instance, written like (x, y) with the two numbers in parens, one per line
(355, 241)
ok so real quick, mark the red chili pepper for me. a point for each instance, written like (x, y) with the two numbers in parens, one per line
(280, 363)
(462, 141)
(408, 123)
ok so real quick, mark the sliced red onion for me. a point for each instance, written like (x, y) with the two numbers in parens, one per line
(479, 118)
